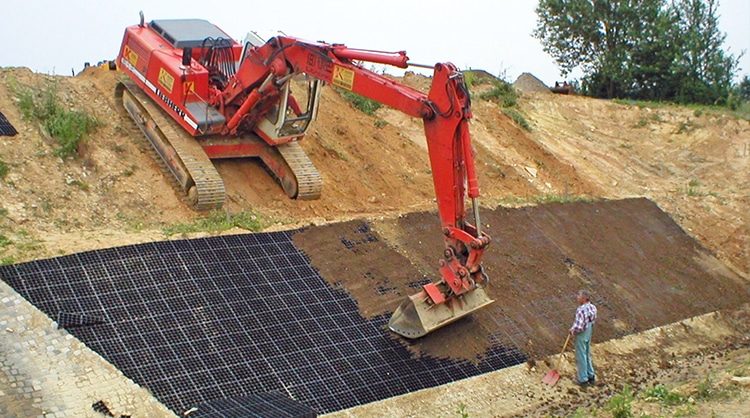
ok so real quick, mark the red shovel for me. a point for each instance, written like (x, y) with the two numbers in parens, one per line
(553, 375)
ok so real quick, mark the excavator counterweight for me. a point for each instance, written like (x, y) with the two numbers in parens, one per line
(198, 96)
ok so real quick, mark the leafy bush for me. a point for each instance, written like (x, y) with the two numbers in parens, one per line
(68, 127)
(505, 95)
(663, 395)
(365, 105)
(502, 93)
(621, 405)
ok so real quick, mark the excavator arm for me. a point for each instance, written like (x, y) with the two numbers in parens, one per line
(445, 110)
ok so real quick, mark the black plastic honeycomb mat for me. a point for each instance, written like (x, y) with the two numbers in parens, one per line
(204, 320)
(265, 405)
(6, 129)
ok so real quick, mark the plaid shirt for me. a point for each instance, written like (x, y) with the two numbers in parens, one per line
(585, 315)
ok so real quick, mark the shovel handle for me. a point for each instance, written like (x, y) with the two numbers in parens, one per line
(559, 362)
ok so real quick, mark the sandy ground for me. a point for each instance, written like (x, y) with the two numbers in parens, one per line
(715, 345)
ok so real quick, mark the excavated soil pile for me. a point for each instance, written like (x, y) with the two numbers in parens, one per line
(528, 83)
(642, 269)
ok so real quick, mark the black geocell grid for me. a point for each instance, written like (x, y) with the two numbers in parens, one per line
(269, 404)
(207, 319)
(6, 129)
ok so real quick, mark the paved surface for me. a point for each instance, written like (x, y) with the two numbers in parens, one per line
(46, 372)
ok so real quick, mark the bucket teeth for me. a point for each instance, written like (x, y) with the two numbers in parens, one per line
(416, 316)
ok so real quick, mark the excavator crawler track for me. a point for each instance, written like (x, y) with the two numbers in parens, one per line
(309, 182)
(181, 154)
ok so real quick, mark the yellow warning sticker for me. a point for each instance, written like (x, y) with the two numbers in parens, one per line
(343, 77)
(129, 55)
(188, 87)
(166, 79)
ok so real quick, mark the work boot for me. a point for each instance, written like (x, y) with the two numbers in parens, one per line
(592, 380)
(581, 384)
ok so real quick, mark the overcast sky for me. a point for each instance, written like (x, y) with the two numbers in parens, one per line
(55, 36)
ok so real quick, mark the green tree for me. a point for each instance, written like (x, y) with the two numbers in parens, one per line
(596, 36)
(704, 69)
(641, 49)
(744, 89)
(653, 52)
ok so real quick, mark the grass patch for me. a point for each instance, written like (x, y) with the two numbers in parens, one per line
(564, 198)
(129, 171)
(6, 261)
(80, 184)
(68, 127)
(218, 221)
(621, 404)
(462, 411)
(506, 96)
(742, 111)
(517, 117)
(687, 127)
(661, 394)
(363, 104)
(544, 198)
(502, 93)
(580, 412)
(4, 241)
(4, 169)
(685, 411)
(707, 390)
(692, 188)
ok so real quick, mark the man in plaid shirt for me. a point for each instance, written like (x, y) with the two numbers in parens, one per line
(582, 328)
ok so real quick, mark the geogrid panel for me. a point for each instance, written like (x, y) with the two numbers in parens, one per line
(265, 405)
(6, 129)
(202, 320)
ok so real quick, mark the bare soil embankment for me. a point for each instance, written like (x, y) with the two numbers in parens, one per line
(642, 269)
(114, 193)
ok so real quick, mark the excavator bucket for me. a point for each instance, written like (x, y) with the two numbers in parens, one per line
(417, 316)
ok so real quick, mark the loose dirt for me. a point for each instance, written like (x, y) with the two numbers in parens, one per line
(642, 269)
(528, 83)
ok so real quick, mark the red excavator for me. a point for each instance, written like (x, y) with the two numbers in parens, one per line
(198, 95)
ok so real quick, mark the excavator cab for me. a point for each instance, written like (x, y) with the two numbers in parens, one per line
(280, 126)
(288, 120)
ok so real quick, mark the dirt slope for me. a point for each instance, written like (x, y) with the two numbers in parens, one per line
(114, 193)
(693, 164)
(642, 269)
